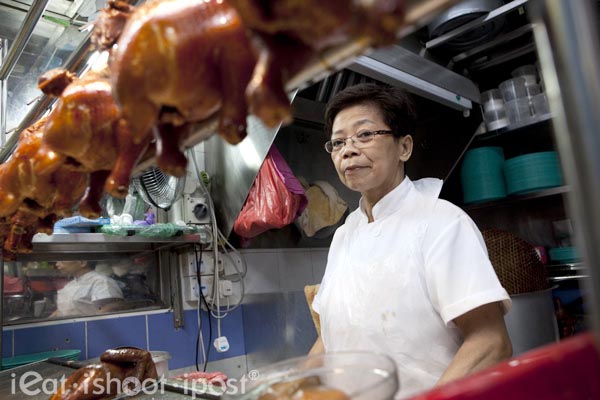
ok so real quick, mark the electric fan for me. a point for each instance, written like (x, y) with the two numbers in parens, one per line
(159, 189)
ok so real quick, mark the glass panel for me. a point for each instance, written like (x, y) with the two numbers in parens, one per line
(41, 290)
(55, 36)
(43, 52)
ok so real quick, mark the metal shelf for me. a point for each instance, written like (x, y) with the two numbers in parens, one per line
(509, 7)
(518, 198)
(529, 123)
(73, 246)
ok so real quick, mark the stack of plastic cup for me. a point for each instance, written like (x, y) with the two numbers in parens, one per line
(538, 103)
(514, 93)
(494, 112)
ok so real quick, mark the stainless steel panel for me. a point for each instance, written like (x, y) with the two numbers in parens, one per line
(531, 322)
(233, 168)
(49, 373)
(566, 33)
(3, 93)
(511, 6)
(424, 81)
(277, 326)
(25, 31)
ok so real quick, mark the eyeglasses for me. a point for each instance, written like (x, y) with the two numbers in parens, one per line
(362, 138)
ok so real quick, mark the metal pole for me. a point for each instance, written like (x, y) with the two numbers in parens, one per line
(567, 38)
(1, 304)
(3, 93)
(25, 31)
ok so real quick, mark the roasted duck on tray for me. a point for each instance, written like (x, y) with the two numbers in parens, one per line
(121, 371)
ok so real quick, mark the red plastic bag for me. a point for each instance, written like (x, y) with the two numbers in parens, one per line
(275, 200)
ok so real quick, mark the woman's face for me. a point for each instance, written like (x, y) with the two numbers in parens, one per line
(372, 168)
(70, 268)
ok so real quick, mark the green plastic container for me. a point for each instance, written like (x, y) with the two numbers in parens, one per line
(532, 172)
(17, 361)
(482, 175)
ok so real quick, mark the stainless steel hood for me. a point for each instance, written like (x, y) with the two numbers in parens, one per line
(400, 67)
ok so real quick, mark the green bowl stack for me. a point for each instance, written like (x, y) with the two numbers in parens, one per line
(532, 172)
(482, 175)
(564, 255)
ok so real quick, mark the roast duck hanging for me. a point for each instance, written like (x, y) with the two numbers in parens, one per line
(175, 63)
(37, 189)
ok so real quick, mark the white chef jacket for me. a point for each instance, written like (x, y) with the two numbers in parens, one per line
(394, 286)
(78, 296)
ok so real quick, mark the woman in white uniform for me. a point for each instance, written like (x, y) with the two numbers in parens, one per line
(408, 274)
(87, 293)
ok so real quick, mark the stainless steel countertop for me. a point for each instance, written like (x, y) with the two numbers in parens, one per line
(40, 378)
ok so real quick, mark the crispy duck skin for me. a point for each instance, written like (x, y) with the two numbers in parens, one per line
(321, 24)
(110, 24)
(87, 129)
(290, 33)
(26, 174)
(35, 188)
(183, 61)
(105, 379)
(67, 188)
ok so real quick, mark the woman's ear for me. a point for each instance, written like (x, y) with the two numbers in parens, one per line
(406, 147)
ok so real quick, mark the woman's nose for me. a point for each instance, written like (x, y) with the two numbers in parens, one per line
(349, 149)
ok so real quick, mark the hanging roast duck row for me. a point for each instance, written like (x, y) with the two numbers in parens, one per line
(172, 63)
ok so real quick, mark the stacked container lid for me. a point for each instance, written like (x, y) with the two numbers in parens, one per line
(482, 174)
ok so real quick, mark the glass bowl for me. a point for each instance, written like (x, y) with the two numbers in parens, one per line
(333, 376)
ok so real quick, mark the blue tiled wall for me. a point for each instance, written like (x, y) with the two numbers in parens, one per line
(115, 332)
(7, 344)
(181, 343)
(131, 331)
(48, 338)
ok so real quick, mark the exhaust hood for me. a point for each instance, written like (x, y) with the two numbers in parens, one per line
(400, 67)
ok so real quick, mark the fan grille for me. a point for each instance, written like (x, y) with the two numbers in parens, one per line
(158, 188)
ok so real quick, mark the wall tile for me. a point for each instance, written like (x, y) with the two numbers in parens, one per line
(263, 272)
(232, 326)
(181, 343)
(50, 338)
(7, 343)
(115, 332)
(295, 269)
(319, 262)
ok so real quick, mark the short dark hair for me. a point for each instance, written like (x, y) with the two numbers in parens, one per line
(395, 105)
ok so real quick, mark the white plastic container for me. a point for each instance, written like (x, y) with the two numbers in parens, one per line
(518, 110)
(540, 104)
(494, 111)
(495, 119)
(528, 72)
(161, 361)
(533, 90)
(513, 89)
